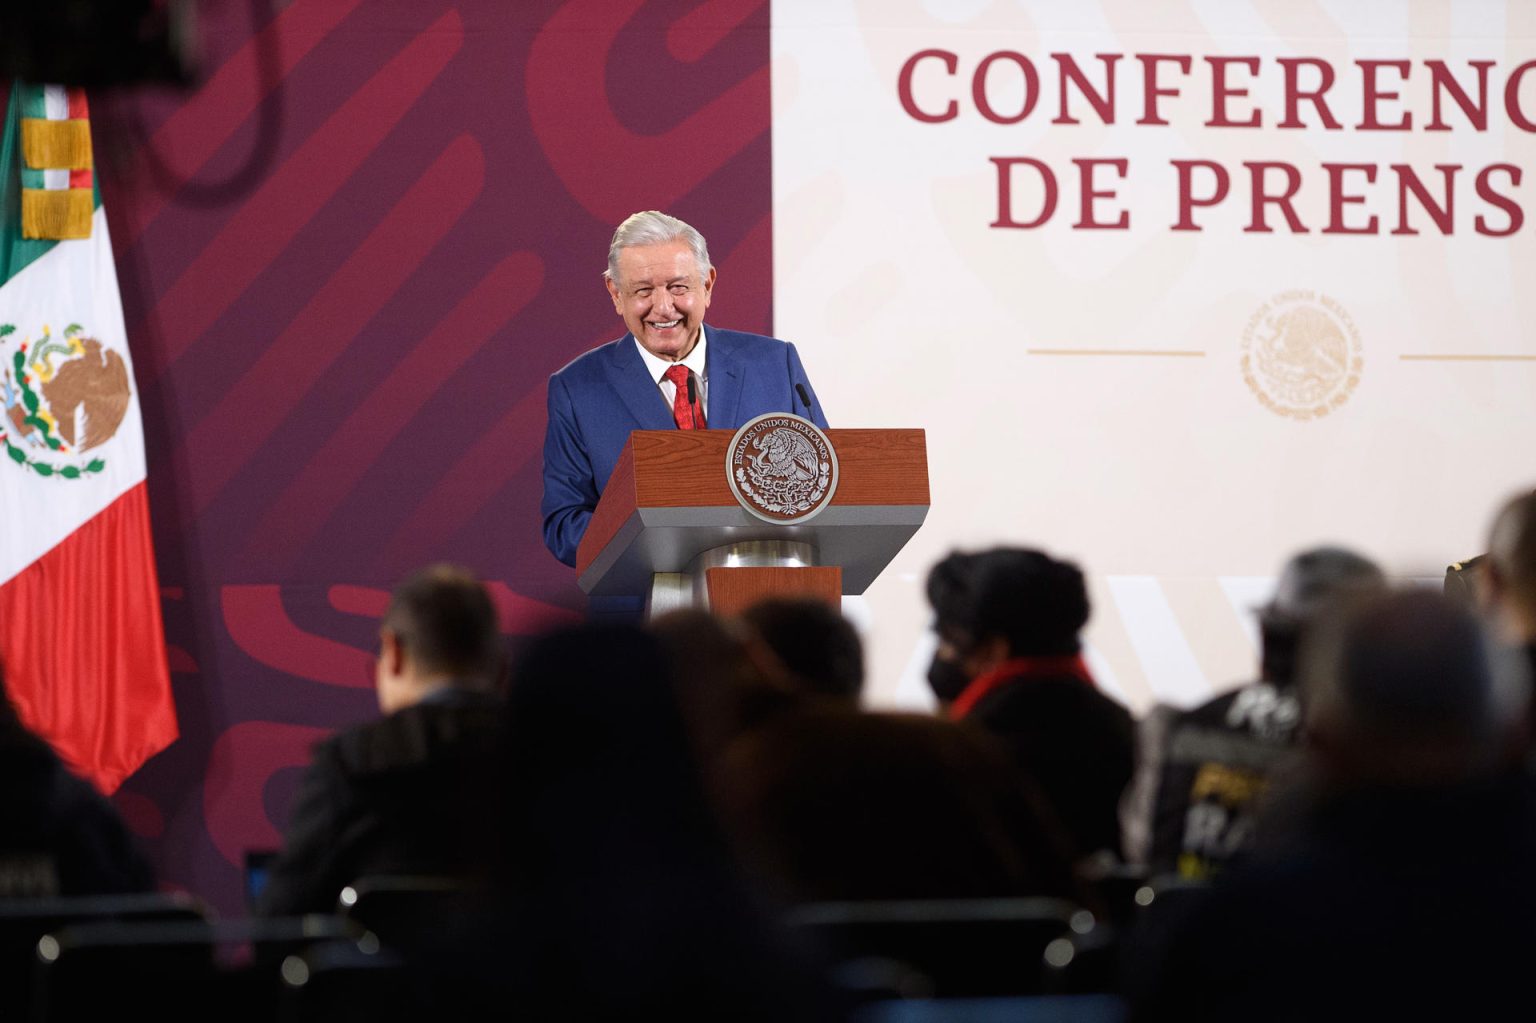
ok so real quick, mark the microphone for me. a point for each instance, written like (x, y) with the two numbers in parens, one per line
(805, 399)
(693, 405)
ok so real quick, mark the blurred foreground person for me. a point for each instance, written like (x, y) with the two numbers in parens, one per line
(818, 648)
(404, 794)
(619, 897)
(1508, 587)
(824, 802)
(58, 836)
(725, 682)
(1405, 891)
(1009, 663)
(1467, 582)
(830, 804)
(1202, 774)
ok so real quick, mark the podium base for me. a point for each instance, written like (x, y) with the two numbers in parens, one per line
(733, 590)
(729, 579)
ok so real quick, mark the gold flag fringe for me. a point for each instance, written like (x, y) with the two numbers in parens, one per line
(56, 145)
(56, 213)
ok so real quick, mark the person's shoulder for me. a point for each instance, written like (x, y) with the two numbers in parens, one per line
(414, 736)
(1064, 692)
(1260, 709)
(1215, 709)
(1461, 580)
(591, 361)
(23, 754)
(743, 343)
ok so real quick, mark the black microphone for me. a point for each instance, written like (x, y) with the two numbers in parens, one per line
(805, 399)
(693, 398)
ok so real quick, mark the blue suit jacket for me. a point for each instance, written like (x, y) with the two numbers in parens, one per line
(600, 397)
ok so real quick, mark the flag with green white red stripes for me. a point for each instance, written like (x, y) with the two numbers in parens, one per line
(82, 649)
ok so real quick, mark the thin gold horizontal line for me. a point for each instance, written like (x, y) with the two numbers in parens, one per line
(1468, 358)
(1161, 353)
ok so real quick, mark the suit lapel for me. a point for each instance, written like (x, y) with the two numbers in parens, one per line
(626, 372)
(724, 381)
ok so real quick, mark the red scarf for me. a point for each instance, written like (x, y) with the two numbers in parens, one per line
(1020, 668)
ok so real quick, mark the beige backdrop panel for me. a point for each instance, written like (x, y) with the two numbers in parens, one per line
(1085, 391)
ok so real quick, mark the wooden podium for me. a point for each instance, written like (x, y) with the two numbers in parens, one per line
(668, 527)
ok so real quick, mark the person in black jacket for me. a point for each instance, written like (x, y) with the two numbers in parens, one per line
(616, 894)
(1401, 887)
(1203, 775)
(404, 794)
(1009, 662)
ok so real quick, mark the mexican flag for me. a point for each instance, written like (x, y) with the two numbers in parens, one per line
(82, 650)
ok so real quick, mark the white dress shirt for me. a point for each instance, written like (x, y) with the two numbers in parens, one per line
(696, 365)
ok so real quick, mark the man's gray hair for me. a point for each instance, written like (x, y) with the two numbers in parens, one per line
(650, 227)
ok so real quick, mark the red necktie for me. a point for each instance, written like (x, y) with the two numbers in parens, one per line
(686, 414)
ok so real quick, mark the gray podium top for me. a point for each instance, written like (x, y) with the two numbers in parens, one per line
(861, 539)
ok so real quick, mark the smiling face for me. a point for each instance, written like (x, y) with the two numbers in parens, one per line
(662, 297)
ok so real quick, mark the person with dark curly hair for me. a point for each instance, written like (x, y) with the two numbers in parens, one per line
(1009, 662)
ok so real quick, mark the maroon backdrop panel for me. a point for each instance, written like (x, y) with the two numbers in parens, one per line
(350, 260)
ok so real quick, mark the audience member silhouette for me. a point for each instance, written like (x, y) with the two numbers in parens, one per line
(1509, 577)
(404, 794)
(823, 802)
(1404, 890)
(620, 896)
(818, 648)
(58, 836)
(1009, 662)
(726, 683)
(1202, 774)
(832, 804)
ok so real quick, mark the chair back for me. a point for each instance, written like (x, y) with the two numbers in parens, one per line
(409, 911)
(350, 982)
(1122, 891)
(171, 970)
(1165, 905)
(964, 947)
(24, 921)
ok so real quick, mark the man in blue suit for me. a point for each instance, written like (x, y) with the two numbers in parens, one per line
(669, 372)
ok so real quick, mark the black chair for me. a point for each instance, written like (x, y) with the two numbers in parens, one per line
(1165, 903)
(351, 982)
(408, 911)
(24, 921)
(963, 947)
(1122, 890)
(1166, 900)
(1084, 962)
(171, 971)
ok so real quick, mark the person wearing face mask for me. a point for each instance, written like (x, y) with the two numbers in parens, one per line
(1009, 663)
